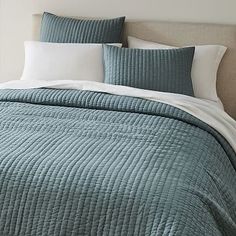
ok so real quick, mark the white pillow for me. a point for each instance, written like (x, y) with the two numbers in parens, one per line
(62, 61)
(205, 66)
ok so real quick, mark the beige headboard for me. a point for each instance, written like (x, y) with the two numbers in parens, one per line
(180, 34)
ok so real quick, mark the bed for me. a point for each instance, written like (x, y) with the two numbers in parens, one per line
(86, 158)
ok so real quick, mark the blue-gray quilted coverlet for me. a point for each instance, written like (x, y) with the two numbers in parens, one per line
(87, 163)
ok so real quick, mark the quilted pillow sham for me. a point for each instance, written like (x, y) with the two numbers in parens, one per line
(160, 70)
(206, 62)
(58, 29)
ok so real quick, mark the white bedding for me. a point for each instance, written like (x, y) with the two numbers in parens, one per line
(59, 61)
(204, 110)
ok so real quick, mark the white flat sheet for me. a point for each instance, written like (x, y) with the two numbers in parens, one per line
(202, 109)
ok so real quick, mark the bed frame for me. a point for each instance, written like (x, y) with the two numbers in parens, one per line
(179, 34)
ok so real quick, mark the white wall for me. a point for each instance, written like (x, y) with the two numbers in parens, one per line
(15, 19)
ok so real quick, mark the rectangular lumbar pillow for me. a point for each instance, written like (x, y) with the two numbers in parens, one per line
(205, 65)
(62, 61)
(58, 29)
(160, 70)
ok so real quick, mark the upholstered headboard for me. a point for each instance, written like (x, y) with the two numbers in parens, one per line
(179, 34)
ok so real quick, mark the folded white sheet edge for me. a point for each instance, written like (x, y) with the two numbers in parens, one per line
(201, 109)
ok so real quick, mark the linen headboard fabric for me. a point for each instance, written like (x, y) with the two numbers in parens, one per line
(183, 34)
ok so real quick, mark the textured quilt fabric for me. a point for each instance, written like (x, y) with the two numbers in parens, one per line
(87, 163)
(165, 70)
(58, 29)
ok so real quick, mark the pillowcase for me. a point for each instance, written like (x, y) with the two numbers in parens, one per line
(58, 29)
(204, 70)
(161, 70)
(55, 61)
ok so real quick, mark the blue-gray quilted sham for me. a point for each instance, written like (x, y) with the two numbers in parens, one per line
(57, 29)
(165, 70)
(87, 163)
